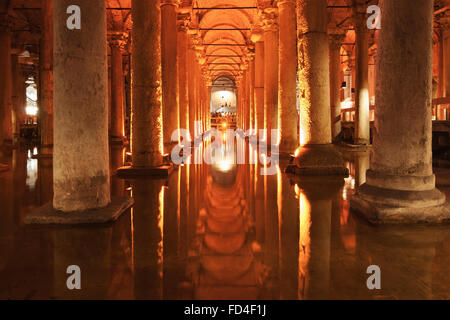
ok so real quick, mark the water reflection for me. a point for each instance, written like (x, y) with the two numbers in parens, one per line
(220, 231)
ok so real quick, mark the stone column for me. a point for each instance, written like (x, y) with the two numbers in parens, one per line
(81, 156)
(287, 97)
(316, 155)
(169, 70)
(46, 79)
(147, 117)
(400, 184)
(183, 90)
(117, 132)
(445, 42)
(259, 80)
(16, 95)
(191, 87)
(335, 42)
(252, 91)
(362, 100)
(5, 81)
(270, 27)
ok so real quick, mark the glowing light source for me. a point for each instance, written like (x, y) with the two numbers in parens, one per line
(31, 110)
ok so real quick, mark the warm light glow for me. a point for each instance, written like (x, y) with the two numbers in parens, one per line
(31, 110)
(304, 244)
(224, 125)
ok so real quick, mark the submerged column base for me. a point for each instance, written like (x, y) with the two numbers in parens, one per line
(318, 160)
(47, 215)
(388, 206)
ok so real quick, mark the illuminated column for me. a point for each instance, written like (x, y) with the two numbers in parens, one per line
(183, 90)
(362, 100)
(400, 184)
(117, 44)
(259, 79)
(208, 103)
(335, 42)
(252, 90)
(316, 155)
(270, 27)
(445, 43)
(5, 81)
(287, 97)
(191, 87)
(46, 79)
(169, 54)
(147, 109)
(81, 155)
(16, 94)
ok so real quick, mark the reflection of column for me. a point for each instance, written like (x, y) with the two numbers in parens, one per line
(287, 97)
(147, 224)
(316, 155)
(289, 239)
(81, 157)
(316, 201)
(259, 79)
(183, 91)
(171, 272)
(362, 101)
(270, 27)
(5, 81)
(117, 44)
(169, 54)
(46, 79)
(335, 41)
(74, 247)
(147, 110)
(400, 184)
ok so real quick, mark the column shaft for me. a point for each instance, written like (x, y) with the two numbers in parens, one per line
(5, 82)
(259, 84)
(362, 100)
(287, 97)
(117, 90)
(81, 156)
(335, 85)
(183, 90)
(147, 115)
(270, 71)
(169, 69)
(46, 79)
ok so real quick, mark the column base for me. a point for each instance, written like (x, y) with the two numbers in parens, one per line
(318, 160)
(130, 172)
(387, 206)
(47, 215)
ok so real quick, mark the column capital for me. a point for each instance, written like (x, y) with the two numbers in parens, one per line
(117, 39)
(443, 20)
(183, 20)
(359, 16)
(335, 40)
(269, 18)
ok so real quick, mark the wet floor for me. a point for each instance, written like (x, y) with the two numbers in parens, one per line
(218, 231)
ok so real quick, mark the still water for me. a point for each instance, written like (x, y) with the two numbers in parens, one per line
(219, 231)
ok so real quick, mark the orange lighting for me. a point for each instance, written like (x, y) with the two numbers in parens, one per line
(224, 125)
